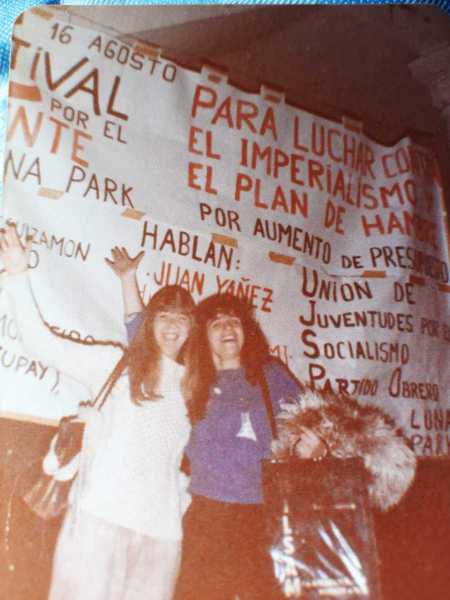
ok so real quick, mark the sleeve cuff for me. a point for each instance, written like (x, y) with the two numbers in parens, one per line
(14, 281)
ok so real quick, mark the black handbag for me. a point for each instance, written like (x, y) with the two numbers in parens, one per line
(47, 496)
(319, 527)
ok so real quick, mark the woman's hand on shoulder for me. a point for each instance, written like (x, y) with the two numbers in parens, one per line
(13, 254)
(122, 263)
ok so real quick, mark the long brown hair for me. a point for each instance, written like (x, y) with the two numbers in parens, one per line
(144, 354)
(254, 353)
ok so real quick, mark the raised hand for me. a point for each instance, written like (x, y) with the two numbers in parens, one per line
(13, 254)
(310, 445)
(122, 264)
(125, 266)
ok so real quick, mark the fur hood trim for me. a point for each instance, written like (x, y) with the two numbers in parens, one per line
(352, 430)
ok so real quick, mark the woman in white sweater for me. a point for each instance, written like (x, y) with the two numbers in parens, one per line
(121, 536)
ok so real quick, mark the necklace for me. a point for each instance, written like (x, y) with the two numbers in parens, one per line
(246, 430)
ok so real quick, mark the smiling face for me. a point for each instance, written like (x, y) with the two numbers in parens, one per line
(226, 338)
(171, 329)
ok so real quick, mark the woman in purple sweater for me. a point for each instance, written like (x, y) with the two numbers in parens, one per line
(224, 552)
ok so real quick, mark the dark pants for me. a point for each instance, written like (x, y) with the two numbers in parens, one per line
(224, 553)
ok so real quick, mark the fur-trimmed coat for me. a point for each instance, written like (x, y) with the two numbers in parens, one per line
(352, 430)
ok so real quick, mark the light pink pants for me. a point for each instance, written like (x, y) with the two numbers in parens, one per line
(97, 560)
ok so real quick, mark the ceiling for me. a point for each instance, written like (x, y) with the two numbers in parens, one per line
(333, 60)
(330, 60)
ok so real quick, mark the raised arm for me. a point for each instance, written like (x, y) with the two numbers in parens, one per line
(125, 267)
(88, 364)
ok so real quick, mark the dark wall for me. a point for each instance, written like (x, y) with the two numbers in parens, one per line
(331, 61)
(26, 541)
(414, 538)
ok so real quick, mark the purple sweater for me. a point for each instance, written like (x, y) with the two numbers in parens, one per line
(225, 467)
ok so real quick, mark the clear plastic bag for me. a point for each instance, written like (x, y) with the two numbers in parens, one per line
(320, 530)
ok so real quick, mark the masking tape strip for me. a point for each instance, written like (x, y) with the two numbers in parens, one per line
(374, 274)
(132, 213)
(416, 280)
(50, 193)
(148, 50)
(352, 124)
(226, 240)
(281, 258)
(44, 14)
(24, 92)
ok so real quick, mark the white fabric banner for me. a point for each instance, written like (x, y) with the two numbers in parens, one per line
(340, 243)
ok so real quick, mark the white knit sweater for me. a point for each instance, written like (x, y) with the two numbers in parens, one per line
(129, 473)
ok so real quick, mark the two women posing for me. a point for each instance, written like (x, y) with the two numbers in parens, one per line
(203, 368)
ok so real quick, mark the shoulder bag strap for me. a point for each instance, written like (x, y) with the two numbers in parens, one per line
(268, 405)
(106, 388)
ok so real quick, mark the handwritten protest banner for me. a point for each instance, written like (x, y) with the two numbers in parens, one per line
(339, 242)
